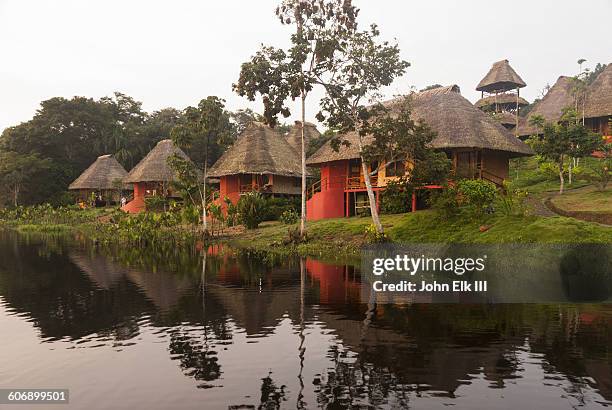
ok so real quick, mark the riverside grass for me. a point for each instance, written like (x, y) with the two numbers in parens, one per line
(341, 239)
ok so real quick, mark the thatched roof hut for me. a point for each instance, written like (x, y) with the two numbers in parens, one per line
(458, 123)
(550, 107)
(294, 137)
(505, 118)
(154, 166)
(501, 99)
(599, 95)
(104, 174)
(259, 150)
(500, 77)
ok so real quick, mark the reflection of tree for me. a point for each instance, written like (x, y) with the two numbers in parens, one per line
(197, 359)
(356, 383)
(62, 301)
(271, 395)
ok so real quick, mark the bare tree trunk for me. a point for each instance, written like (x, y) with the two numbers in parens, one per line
(204, 221)
(561, 178)
(569, 173)
(368, 184)
(303, 215)
(16, 194)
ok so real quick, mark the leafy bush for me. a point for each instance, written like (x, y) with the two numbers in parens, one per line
(599, 174)
(512, 201)
(232, 212)
(549, 170)
(251, 208)
(190, 214)
(289, 217)
(373, 236)
(156, 203)
(473, 195)
(46, 214)
(276, 206)
(477, 194)
(445, 202)
(396, 198)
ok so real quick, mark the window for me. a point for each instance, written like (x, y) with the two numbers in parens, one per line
(396, 169)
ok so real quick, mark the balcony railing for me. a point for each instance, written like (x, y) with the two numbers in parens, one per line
(359, 182)
(246, 188)
(352, 183)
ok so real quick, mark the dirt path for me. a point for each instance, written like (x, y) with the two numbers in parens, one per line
(536, 204)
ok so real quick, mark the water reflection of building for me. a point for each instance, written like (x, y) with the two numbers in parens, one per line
(162, 288)
(336, 283)
(432, 348)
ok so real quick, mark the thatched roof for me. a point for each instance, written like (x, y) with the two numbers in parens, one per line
(550, 107)
(599, 95)
(294, 137)
(500, 77)
(104, 173)
(501, 99)
(154, 166)
(259, 150)
(458, 123)
(504, 118)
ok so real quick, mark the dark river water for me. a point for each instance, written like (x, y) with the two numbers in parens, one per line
(127, 329)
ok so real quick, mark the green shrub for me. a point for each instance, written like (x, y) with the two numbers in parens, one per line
(251, 208)
(156, 203)
(478, 195)
(549, 170)
(275, 207)
(373, 236)
(289, 217)
(445, 202)
(232, 212)
(395, 199)
(190, 215)
(599, 174)
(511, 202)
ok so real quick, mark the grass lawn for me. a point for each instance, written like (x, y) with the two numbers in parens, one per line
(342, 238)
(588, 199)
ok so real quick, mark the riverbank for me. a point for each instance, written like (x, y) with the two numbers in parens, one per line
(332, 239)
(343, 237)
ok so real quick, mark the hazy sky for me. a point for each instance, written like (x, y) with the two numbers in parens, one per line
(173, 53)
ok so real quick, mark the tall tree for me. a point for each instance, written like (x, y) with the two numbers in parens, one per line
(71, 133)
(564, 140)
(278, 75)
(15, 169)
(360, 68)
(204, 131)
(397, 138)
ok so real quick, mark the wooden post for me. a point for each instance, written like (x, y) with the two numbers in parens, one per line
(518, 92)
(348, 204)
(414, 201)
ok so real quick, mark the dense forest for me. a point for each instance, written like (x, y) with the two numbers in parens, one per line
(42, 156)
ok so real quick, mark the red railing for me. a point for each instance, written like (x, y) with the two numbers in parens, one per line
(341, 182)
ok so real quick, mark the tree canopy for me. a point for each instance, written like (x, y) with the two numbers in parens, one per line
(65, 136)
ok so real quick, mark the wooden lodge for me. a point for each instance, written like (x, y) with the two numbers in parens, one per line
(596, 107)
(262, 160)
(479, 146)
(500, 96)
(153, 176)
(102, 180)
